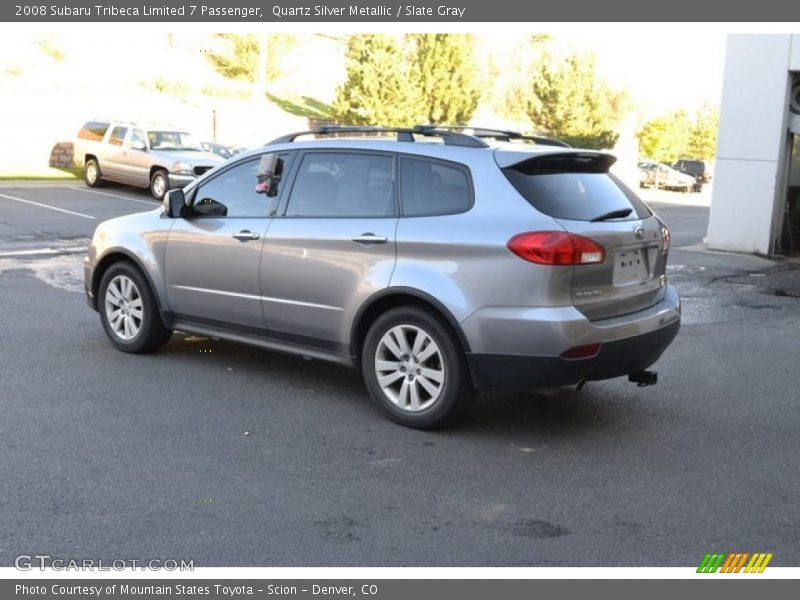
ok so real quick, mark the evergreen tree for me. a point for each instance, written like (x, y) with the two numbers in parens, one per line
(378, 89)
(446, 76)
(236, 55)
(570, 102)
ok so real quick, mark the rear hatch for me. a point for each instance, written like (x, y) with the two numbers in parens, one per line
(577, 191)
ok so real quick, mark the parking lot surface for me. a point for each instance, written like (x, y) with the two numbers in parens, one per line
(234, 456)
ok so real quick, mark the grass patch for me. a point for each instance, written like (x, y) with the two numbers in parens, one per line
(43, 174)
(303, 106)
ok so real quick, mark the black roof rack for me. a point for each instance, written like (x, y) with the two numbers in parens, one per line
(504, 135)
(404, 134)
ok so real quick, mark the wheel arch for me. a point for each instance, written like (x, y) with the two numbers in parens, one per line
(155, 168)
(114, 257)
(395, 297)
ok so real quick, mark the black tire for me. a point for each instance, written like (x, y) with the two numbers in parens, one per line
(455, 392)
(151, 333)
(92, 174)
(159, 184)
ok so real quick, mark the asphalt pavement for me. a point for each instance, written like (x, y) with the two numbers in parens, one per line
(234, 456)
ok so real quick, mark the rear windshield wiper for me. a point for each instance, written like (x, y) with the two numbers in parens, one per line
(613, 214)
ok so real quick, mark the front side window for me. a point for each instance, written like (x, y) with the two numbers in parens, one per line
(172, 140)
(334, 184)
(117, 136)
(432, 188)
(137, 138)
(233, 193)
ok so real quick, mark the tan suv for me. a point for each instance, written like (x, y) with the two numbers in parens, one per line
(159, 158)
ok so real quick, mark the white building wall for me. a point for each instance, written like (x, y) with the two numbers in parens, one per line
(748, 177)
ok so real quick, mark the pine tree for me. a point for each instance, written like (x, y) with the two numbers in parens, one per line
(570, 102)
(446, 76)
(378, 89)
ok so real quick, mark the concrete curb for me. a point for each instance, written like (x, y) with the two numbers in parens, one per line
(18, 183)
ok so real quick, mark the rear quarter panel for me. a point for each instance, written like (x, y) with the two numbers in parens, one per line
(462, 260)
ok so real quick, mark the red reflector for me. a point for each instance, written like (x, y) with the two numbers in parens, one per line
(556, 248)
(588, 351)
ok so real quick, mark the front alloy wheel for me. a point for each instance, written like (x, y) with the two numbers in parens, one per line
(129, 312)
(123, 305)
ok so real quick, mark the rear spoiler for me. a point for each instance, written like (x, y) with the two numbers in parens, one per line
(584, 161)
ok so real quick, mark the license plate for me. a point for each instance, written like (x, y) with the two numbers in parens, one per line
(630, 266)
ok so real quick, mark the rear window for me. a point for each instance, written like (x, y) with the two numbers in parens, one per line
(575, 187)
(694, 165)
(93, 131)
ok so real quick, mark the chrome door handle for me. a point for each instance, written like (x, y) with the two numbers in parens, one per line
(244, 236)
(370, 238)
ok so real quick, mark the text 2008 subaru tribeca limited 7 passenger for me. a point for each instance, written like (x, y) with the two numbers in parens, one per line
(436, 261)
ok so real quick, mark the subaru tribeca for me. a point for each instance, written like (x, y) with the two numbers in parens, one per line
(436, 261)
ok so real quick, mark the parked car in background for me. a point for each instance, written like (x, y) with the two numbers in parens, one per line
(658, 175)
(218, 149)
(697, 169)
(159, 158)
(239, 149)
(434, 261)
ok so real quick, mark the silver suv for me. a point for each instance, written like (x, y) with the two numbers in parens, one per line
(159, 158)
(435, 261)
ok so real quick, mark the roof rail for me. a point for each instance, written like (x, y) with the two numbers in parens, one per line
(504, 135)
(404, 134)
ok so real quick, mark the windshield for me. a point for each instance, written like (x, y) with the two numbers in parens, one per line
(172, 140)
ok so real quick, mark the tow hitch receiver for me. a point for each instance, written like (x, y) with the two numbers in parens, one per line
(643, 378)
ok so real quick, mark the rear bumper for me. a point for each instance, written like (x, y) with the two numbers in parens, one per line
(525, 355)
(494, 372)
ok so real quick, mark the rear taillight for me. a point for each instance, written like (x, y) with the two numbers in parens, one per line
(665, 239)
(556, 248)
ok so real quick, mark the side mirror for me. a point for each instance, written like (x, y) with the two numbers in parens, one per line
(174, 203)
(139, 146)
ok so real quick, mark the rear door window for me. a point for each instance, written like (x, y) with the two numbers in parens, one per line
(117, 136)
(575, 187)
(337, 184)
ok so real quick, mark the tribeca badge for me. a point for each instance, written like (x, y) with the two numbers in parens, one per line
(735, 563)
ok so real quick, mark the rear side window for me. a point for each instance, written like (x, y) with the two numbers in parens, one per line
(117, 136)
(433, 188)
(93, 131)
(575, 187)
(334, 184)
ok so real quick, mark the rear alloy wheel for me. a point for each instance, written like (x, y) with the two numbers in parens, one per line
(128, 311)
(92, 173)
(414, 369)
(159, 184)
